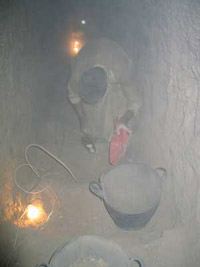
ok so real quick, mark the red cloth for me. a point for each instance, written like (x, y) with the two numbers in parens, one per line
(119, 142)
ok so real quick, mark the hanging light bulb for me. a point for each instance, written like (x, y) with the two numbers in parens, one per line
(33, 212)
(76, 43)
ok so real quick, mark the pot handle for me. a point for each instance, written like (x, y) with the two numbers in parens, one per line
(162, 172)
(137, 260)
(96, 189)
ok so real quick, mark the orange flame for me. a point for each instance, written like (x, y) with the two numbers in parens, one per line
(76, 43)
(16, 211)
(20, 214)
(33, 216)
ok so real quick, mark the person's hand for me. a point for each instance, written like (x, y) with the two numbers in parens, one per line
(126, 117)
(85, 131)
(122, 126)
(85, 128)
(88, 143)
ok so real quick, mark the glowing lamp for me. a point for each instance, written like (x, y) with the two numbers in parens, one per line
(33, 212)
(76, 43)
(76, 47)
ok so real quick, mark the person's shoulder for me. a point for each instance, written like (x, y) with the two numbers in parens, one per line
(99, 42)
(101, 45)
(105, 41)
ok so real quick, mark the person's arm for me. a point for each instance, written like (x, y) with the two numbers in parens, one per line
(76, 102)
(86, 140)
(133, 104)
(126, 117)
(128, 89)
(82, 118)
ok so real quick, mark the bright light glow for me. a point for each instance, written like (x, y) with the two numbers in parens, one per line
(76, 47)
(76, 50)
(76, 42)
(83, 22)
(33, 212)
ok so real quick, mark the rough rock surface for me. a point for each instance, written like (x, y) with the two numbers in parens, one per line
(15, 94)
(167, 66)
(163, 42)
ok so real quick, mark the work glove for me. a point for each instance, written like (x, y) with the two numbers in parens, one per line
(124, 127)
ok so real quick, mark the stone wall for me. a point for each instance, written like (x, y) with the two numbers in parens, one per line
(15, 101)
(166, 55)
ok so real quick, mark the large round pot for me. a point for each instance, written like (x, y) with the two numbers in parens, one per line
(91, 251)
(131, 194)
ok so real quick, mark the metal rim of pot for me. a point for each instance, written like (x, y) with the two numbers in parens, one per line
(132, 259)
(97, 188)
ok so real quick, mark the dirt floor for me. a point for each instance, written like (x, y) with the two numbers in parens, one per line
(78, 212)
(160, 244)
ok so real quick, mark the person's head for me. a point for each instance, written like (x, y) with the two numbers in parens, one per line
(93, 85)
